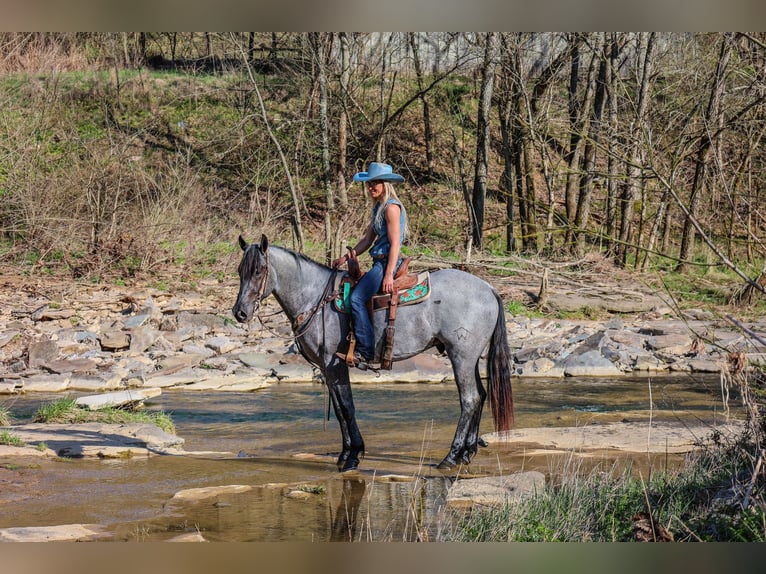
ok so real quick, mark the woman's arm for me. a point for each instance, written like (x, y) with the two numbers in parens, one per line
(392, 214)
(362, 245)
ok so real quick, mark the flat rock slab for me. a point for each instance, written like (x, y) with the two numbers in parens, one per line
(118, 399)
(60, 533)
(627, 437)
(95, 440)
(495, 490)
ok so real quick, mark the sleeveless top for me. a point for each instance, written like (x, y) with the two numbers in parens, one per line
(382, 245)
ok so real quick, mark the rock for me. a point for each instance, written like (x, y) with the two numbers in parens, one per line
(118, 399)
(47, 314)
(495, 490)
(630, 437)
(195, 494)
(42, 352)
(164, 379)
(114, 341)
(672, 343)
(62, 533)
(705, 366)
(295, 373)
(99, 440)
(188, 537)
(542, 367)
(46, 383)
(7, 337)
(79, 365)
(222, 345)
(194, 321)
(257, 360)
(232, 382)
(107, 381)
(589, 364)
(141, 338)
(11, 386)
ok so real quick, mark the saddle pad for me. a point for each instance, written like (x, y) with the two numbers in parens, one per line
(415, 294)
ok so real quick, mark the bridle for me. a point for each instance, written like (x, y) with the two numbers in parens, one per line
(264, 277)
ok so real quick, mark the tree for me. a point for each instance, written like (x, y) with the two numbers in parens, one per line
(481, 166)
(637, 127)
(707, 141)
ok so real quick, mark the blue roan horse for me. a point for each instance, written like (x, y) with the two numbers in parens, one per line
(463, 316)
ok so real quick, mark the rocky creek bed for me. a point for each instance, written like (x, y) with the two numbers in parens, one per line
(62, 337)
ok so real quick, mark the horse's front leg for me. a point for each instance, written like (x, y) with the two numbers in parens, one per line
(339, 387)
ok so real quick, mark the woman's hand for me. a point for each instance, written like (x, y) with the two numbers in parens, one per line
(388, 283)
(340, 261)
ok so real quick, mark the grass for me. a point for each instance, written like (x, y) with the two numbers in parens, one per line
(5, 416)
(719, 494)
(9, 439)
(603, 507)
(65, 410)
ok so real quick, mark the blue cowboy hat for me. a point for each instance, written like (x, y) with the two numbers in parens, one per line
(378, 172)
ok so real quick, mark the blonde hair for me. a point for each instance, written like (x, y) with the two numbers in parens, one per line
(389, 194)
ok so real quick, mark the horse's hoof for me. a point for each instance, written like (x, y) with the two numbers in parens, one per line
(350, 461)
(447, 464)
(481, 442)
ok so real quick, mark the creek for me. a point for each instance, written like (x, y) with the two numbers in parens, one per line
(278, 445)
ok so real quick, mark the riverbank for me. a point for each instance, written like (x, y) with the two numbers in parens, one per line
(60, 336)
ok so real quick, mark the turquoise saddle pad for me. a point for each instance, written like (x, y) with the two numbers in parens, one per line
(415, 294)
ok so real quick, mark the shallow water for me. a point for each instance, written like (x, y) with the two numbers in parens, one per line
(276, 439)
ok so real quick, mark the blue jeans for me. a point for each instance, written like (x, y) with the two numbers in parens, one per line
(368, 286)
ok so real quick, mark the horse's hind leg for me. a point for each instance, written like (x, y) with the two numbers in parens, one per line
(339, 387)
(472, 396)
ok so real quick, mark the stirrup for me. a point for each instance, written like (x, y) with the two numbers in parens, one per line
(356, 361)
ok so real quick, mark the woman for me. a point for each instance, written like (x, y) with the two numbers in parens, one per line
(384, 235)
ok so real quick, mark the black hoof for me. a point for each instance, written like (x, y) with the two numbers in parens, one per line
(447, 464)
(349, 461)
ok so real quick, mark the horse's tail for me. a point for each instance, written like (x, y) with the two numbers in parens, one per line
(499, 373)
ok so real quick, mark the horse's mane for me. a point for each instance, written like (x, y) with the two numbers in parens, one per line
(300, 257)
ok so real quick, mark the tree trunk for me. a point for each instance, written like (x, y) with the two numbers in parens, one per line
(508, 79)
(612, 163)
(481, 168)
(637, 128)
(427, 129)
(317, 41)
(706, 144)
(582, 216)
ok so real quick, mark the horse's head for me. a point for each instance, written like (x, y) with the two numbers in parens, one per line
(253, 276)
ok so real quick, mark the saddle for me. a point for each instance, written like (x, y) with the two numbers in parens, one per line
(409, 288)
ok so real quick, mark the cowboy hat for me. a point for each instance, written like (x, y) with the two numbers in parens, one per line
(378, 172)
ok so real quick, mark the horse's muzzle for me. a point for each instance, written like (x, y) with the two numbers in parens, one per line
(240, 314)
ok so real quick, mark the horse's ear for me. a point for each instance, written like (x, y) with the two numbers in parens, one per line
(264, 243)
(242, 243)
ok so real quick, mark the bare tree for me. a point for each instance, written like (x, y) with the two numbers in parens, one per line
(707, 140)
(481, 166)
(427, 129)
(637, 127)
